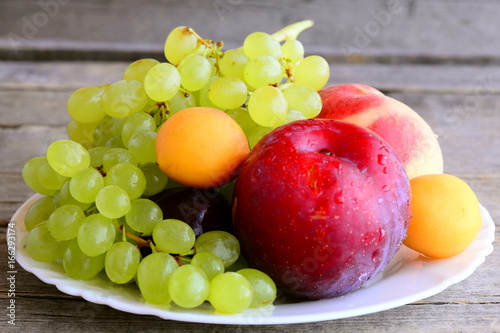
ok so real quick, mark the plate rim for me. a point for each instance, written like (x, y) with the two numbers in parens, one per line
(253, 316)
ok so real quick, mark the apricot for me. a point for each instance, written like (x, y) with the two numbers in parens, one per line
(201, 147)
(405, 130)
(446, 216)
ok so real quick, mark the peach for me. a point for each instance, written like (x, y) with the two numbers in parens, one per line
(201, 147)
(403, 129)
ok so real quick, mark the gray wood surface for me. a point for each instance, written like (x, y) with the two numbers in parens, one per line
(439, 57)
(358, 30)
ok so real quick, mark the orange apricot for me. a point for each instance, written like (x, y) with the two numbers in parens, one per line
(201, 147)
(446, 215)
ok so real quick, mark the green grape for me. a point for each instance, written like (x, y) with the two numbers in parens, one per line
(104, 85)
(56, 198)
(221, 244)
(142, 147)
(41, 246)
(162, 82)
(267, 106)
(239, 264)
(138, 69)
(128, 177)
(230, 292)
(304, 99)
(261, 44)
(30, 175)
(156, 180)
(112, 202)
(64, 222)
(143, 216)
(152, 277)
(179, 43)
(103, 131)
(97, 154)
(80, 266)
(257, 134)
(85, 105)
(292, 115)
(232, 63)
(85, 184)
(115, 142)
(65, 198)
(137, 123)
(242, 117)
(38, 212)
(263, 287)
(203, 98)
(263, 71)
(195, 72)
(81, 133)
(188, 286)
(173, 236)
(66, 157)
(117, 125)
(115, 156)
(209, 263)
(122, 261)
(213, 66)
(49, 178)
(312, 71)
(228, 92)
(292, 50)
(181, 101)
(124, 98)
(96, 235)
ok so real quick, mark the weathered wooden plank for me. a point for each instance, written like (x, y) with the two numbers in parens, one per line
(58, 75)
(67, 76)
(30, 90)
(33, 107)
(19, 144)
(432, 30)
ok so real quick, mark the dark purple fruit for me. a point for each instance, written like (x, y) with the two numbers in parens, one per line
(204, 210)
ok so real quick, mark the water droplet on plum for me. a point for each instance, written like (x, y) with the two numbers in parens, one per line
(376, 256)
(382, 159)
(381, 234)
(386, 188)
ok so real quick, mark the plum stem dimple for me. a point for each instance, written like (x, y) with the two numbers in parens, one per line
(326, 152)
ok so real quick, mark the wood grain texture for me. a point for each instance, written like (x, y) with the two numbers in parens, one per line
(360, 30)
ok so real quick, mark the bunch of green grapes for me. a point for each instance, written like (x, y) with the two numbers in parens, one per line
(95, 212)
(263, 84)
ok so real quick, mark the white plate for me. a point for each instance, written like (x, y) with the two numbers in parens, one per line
(408, 278)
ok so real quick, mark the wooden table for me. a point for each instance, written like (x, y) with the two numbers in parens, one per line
(455, 88)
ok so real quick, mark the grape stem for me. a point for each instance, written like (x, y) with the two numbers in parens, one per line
(139, 240)
(142, 242)
(292, 31)
(201, 40)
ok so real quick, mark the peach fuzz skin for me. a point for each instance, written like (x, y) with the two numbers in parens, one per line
(201, 147)
(403, 129)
